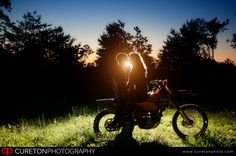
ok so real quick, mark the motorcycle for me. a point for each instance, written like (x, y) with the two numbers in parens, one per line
(188, 119)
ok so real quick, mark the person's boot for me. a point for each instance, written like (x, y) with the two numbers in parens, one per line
(126, 133)
(125, 138)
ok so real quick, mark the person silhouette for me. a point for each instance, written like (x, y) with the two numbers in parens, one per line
(137, 80)
(129, 85)
(119, 86)
(137, 89)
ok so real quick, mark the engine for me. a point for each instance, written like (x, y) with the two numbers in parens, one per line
(148, 120)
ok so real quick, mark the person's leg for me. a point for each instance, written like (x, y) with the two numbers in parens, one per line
(128, 120)
(119, 113)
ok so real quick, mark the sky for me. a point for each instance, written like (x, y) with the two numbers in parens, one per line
(85, 20)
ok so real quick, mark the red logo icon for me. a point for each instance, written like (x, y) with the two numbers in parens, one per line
(7, 151)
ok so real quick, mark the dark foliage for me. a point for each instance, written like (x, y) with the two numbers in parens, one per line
(187, 61)
(43, 71)
(114, 40)
(233, 41)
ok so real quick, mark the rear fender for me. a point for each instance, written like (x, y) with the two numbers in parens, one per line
(108, 103)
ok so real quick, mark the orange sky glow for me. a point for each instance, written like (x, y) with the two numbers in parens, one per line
(223, 52)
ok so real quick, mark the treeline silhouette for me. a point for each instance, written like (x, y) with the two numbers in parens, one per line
(44, 72)
(187, 60)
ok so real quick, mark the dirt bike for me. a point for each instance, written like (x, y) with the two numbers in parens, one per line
(188, 119)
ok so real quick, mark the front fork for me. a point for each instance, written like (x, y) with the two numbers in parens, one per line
(186, 120)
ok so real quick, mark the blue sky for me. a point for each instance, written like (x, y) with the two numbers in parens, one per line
(85, 20)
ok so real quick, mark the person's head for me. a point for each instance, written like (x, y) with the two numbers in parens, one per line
(137, 62)
(121, 58)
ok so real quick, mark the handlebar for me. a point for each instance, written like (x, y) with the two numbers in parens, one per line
(158, 82)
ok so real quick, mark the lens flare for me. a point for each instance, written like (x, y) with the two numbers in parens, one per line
(128, 64)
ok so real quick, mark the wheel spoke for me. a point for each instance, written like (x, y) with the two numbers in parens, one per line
(102, 124)
(194, 128)
(197, 123)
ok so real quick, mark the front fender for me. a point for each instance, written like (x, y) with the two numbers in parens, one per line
(184, 96)
(184, 93)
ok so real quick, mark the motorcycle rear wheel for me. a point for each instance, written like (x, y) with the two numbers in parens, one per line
(196, 126)
(101, 121)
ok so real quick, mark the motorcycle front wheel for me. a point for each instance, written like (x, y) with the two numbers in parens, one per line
(102, 120)
(196, 124)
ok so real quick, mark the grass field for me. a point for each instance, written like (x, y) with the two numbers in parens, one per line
(76, 129)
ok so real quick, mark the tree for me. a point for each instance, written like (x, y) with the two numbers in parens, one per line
(214, 27)
(229, 61)
(43, 63)
(185, 49)
(39, 42)
(83, 53)
(6, 4)
(141, 45)
(4, 19)
(233, 41)
(114, 40)
(200, 35)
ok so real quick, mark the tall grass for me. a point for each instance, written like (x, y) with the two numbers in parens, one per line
(76, 129)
